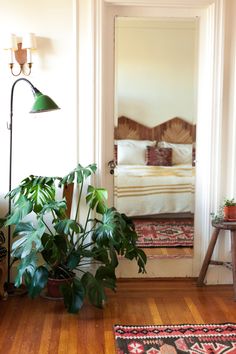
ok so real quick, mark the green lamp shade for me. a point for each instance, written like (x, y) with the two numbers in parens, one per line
(43, 103)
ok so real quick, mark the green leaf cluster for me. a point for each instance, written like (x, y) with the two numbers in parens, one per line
(53, 245)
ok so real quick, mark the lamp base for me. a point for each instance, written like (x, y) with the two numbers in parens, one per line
(14, 291)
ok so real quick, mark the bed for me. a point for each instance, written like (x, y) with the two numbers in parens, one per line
(155, 171)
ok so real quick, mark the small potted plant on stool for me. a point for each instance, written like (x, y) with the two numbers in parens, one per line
(229, 210)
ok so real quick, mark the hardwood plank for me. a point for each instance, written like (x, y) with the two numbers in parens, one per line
(227, 307)
(44, 327)
(165, 252)
(193, 309)
(48, 327)
(155, 314)
(178, 309)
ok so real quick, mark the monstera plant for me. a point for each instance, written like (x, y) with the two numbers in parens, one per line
(48, 244)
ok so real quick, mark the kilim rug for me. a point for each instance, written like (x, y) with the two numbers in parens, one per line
(176, 339)
(164, 232)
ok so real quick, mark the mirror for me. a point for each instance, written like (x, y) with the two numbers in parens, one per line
(155, 130)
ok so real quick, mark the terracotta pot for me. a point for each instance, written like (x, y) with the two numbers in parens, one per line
(230, 213)
(53, 287)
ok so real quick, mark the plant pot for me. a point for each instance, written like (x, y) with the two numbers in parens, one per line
(230, 213)
(54, 285)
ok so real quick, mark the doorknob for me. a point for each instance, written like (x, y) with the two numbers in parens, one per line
(112, 166)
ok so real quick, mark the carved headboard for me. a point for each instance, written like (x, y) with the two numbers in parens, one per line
(175, 130)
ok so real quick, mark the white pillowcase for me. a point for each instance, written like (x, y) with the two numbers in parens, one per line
(141, 143)
(132, 152)
(131, 155)
(181, 153)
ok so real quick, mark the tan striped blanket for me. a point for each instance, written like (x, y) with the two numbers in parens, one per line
(148, 190)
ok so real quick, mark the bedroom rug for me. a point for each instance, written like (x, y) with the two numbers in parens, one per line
(164, 232)
(176, 339)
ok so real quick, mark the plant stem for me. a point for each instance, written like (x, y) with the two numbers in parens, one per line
(80, 270)
(88, 245)
(86, 222)
(64, 270)
(79, 199)
(82, 237)
(47, 227)
(78, 205)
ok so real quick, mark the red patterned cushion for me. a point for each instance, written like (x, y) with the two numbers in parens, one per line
(158, 156)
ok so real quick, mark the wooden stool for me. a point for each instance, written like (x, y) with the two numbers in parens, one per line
(218, 226)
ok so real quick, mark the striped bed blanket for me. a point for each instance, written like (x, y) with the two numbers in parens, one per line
(149, 190)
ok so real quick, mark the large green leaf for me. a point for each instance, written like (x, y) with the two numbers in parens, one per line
(100, 254)
(21, 208)
(139, 255)
(26, 268)
(68, 225)
(73, 259)
(141, 260)
(106, 276)
(58, 207)
(110, 231)
(79, 174)
(38, 281)
(113, 257)
(39, 190)
(117, 233)
(96, 198)
(14, 193)
(73, 295)
(30, 239)
(54, 248)
(94, 290)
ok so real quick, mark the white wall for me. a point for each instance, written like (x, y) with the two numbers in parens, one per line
(43, 143)
(156, 63)
(54, 72)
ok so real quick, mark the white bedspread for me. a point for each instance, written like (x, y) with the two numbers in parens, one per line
(149, 190)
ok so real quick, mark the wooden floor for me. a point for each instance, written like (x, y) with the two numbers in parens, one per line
(43, 326)
(169, 252)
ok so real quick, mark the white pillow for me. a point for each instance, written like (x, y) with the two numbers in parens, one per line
(141, 143)
(182, 153)
(132, 152)
(131, 155)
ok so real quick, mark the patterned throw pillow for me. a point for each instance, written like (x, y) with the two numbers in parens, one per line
(158, 156)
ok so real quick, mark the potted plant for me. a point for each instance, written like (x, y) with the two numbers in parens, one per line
(229, 210)
(53, 246)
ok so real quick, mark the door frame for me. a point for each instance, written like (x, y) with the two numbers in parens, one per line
(99, 28)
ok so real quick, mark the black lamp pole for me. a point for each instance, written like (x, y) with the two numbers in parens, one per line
(42, 103)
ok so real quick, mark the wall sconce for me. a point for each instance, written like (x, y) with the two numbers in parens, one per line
(21, 53)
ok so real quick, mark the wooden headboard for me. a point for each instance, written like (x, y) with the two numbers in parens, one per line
(175, 130)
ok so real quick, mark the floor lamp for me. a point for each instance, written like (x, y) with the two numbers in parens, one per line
(42, 103)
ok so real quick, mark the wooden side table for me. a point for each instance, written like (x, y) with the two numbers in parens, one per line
(218, 226)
